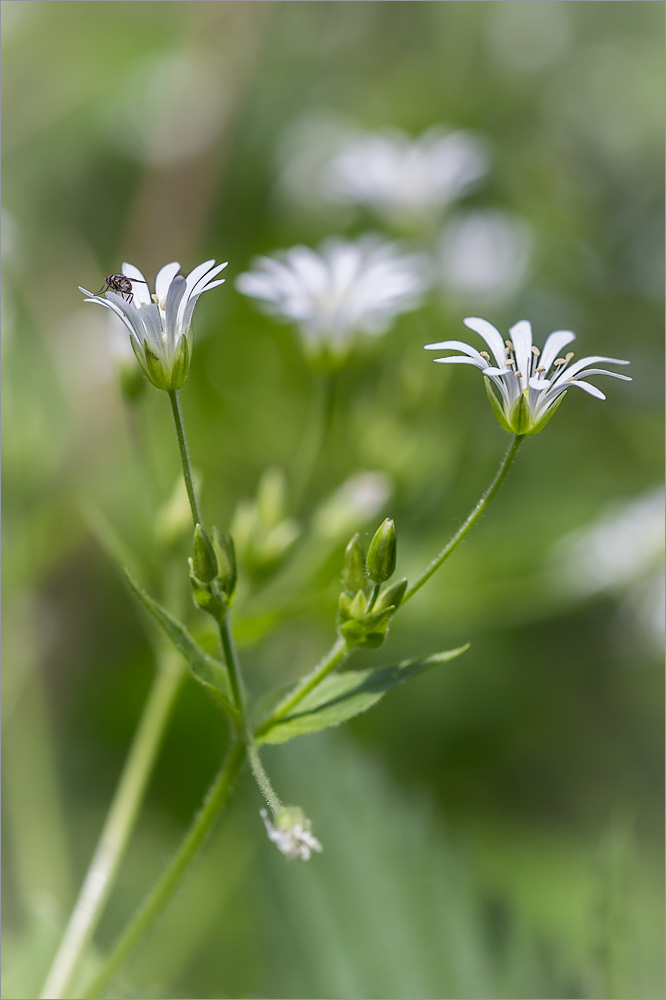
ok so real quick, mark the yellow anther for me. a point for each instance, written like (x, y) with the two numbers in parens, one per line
(558, 362)
(536, 352)
(485, 355)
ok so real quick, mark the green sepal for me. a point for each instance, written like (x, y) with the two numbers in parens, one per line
(358, 605)
(392, 596)
(181, 364)
(539, 426)
(210, 673)
(341, 696)
(206, 596)
(368, 631)
(225, 551)
(521, 416)
(154, 370)
(353, 566)
(204, 561)
(383, 552)
(497, 409)
(344, 607)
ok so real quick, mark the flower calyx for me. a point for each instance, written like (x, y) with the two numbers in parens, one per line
(364, 609)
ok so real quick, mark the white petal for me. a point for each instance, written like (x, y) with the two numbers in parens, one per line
(521, 335)
(490, 334)
(141, 290)
(571, 370)
(554, 344)
(588, 387)
(202, 284)
(164, 278)
(459, 359)
(455, 345)
(603, 371)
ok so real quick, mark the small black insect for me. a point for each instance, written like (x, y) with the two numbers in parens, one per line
(119, 283)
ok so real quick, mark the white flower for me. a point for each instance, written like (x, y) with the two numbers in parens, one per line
(526, 385)
(344, 287)
(484, 255)
(159, 325)
(292, 834)
(405, 179)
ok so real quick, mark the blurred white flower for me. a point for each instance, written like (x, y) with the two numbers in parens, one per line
(622, 546)
(360, 498)
(292, 834)
(484, 255)
(159, 325)
(405, 180)
(623, 553)
(530, 383)
(342, 289)
(168, 108)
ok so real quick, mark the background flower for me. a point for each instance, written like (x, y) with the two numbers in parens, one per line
(342, 289)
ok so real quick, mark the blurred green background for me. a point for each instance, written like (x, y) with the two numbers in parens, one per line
(494, 829)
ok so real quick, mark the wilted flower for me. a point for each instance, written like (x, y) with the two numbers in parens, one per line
(159, 325)
(343, 288)
(526, 385)
(291, 833)
(404, 179)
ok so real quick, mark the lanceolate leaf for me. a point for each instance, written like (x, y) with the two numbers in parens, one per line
(211, 673)
(342, 696)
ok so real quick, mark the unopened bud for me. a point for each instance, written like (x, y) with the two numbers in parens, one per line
(204, 562)
(382, 552)
(392, 596)
(226, 561)
(359, 604)
(353, 567)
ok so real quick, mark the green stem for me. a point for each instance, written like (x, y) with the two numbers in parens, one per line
(118, 827)
(319, 422)
(335, 656)
(238, 688)
(469, 523)
(185, 456)
(216, 797)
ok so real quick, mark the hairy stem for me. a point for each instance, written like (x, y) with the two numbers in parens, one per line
(117, 830)
(335, 656)
(185, 456)
(469, 522)
(216, 797)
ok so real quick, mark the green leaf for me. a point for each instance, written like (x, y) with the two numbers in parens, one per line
(209, 672)
(342, 696)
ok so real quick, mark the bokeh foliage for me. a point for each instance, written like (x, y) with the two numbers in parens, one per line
(493, 829)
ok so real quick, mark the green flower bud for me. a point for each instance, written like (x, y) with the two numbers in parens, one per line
(226, 562)
(205, 596)
(358, 605)
(368, 631)
(204, 562)
(392, 596)
(353, 567)
(382, 552)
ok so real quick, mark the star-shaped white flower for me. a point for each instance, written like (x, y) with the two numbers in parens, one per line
(292, 833)
(402, 178)
(159, 324)
(341, 289)
(526, 385)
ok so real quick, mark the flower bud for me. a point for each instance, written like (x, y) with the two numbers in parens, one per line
(225, 552)
(204, 562)
(392, 596)
(382, 552)
(358, 605)
(353, 567)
